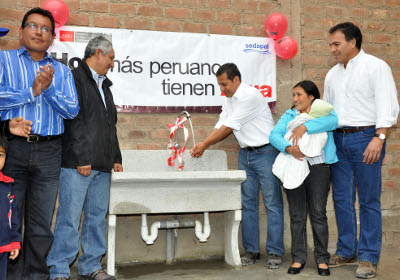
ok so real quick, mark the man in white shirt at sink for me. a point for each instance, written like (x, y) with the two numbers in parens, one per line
(246, 114)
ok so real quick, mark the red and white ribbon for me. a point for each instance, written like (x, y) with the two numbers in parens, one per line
(172, 145)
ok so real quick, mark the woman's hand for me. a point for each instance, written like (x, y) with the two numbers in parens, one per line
(295, 152)
(297, 134)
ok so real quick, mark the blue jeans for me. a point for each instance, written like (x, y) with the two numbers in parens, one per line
(258, 166)
(76, 192)
(348, 175)
(35, 168)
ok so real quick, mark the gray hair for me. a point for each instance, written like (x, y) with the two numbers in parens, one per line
(99, 42)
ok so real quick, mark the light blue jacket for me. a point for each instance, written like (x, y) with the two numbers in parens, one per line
(318, 125)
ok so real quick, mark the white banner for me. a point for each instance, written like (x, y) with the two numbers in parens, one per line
(168, 69)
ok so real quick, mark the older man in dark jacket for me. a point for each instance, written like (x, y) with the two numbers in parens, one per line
(90, 152)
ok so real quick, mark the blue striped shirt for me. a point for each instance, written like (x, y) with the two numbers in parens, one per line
(47, 110)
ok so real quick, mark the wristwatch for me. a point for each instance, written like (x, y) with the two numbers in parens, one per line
(380, 136)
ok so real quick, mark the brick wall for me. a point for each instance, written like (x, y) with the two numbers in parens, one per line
(309, 21)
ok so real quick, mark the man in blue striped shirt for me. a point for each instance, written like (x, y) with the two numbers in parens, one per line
(39, 89)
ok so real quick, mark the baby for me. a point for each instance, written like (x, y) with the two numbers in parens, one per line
(290, 170)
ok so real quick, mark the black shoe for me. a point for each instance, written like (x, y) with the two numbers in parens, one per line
(274, 261)
(99, 274)
(295, 270)
(250, 258)
(323, 271)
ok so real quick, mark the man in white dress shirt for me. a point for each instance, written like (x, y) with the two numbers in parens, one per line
(247, 115)
(362, 90)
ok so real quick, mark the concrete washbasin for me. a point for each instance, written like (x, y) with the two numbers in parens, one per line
(149, 186)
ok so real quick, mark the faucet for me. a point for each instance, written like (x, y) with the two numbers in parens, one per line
(191, 127)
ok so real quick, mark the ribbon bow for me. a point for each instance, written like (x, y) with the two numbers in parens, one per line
(173, 146)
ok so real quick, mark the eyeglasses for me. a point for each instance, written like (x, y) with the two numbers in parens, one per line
(33, 26)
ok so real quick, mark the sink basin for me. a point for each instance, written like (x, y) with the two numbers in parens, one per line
(149, 185)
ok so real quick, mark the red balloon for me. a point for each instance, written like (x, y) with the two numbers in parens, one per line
(276, 25)
(286, 48)
(59, 10)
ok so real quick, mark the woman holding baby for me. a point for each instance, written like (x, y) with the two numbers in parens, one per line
(311, 195)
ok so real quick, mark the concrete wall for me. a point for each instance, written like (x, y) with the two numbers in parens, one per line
(309, 21)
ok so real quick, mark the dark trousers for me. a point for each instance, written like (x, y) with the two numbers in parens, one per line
(312, 195)
(3, 265)
(35, 168)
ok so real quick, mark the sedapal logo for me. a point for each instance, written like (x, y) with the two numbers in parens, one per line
(66, 36)
(257, 48)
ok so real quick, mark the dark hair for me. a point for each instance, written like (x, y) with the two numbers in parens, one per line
(231, 71)
(310, 88)
(3, 143)
(350, 32)
(42, 12)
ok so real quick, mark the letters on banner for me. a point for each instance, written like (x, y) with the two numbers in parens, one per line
(158, 71)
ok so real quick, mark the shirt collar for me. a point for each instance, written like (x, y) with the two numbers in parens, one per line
(96, 76)
(355, 59)
(5, 179)
(239, 92)
(23, 51)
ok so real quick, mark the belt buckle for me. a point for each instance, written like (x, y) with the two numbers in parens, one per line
(32, 138)
(346, 130)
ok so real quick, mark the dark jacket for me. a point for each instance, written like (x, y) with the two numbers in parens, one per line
(5, 128)
(91, 138)
(10, 237)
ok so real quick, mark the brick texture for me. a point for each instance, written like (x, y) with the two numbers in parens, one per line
(194, 27)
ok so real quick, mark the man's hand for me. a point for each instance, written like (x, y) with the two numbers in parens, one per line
(373, 151)
(46, 75)
(215, 136)
(43, 79)
(20, 127)
(297, 134)
(37, 86)
(14, 254)
(295, 152)
(84, 170)
(198, 149)
(118, 167)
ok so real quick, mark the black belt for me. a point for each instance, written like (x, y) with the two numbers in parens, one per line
(255, 148)
(39, 138)
(347, 130)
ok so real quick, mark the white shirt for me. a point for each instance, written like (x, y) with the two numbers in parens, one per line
(248, 114)
(99, 81)
(363, 93)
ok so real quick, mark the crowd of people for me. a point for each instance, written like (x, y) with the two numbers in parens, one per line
(61, 135)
